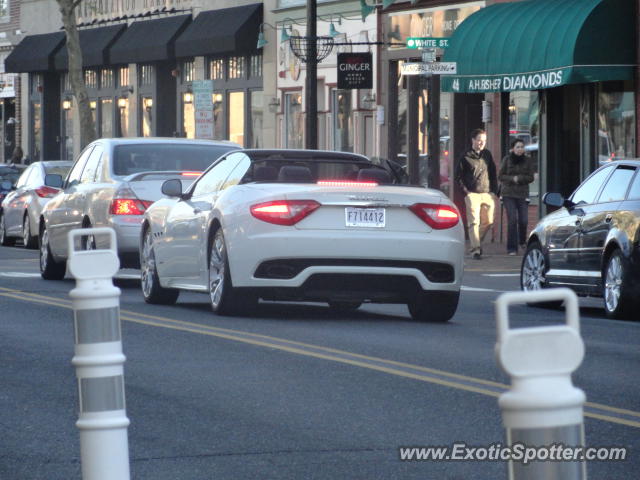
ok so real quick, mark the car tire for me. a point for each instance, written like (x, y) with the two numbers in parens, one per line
(151, 290)
(49, 268)
(344, 306)
(434, 307)
(618, 303)
(4, 240)
(533, 273)
(225, 298)
(30, 241)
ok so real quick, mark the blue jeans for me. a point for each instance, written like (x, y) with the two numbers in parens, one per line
(517, 220)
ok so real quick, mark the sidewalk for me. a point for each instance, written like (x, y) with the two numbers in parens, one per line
(494, 258)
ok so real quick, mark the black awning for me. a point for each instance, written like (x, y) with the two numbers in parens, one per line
(95, 43)
(221, 31)
(148, 41)
(34, 53)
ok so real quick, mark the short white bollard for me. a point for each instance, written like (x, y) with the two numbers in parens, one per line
(104, 447)
(543, 411)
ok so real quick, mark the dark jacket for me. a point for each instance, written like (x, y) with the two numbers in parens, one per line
(476, 173)
(512, 167)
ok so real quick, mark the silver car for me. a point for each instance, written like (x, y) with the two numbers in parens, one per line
(111, 184)
(21, 209)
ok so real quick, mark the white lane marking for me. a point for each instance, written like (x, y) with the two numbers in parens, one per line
(19, 274)
(500, 274)
(475, 289)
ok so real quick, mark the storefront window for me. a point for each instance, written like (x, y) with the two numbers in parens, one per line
(236, 117)
(68, 132)
(402, 119)
(147, 111)
(106, 118)
(294, 122)
(218, 117)
(37, 130)
(257, 114)
(216, 69)
(446, 161)
(188, 115)
(91, 78)
(188, 70)
(146, 74)
(342, 121)
(616, 121)
(124, 76)
(524, 124)
(123, 117)
(236, 67)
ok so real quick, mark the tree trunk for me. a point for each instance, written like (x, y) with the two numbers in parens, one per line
(76, 77)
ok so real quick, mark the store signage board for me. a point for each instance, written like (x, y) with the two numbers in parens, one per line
(355, 70)
(427, 42)
(435, 68)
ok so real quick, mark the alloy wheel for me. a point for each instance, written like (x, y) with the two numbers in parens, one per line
(26, 231)
(533, 271)
(217, 270)
(44, 250)
(148, 266)
(3, 232)
(613, 283)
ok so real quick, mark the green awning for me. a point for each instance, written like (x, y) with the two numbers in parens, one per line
(536, 44)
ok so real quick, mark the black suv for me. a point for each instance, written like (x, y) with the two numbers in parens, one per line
(591, 243)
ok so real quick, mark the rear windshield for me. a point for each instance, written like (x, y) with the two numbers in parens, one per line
(129, 159)
(312, 171)
(10, 175)
(58, 170)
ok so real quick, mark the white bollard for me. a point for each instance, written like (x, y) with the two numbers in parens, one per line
(542, 408)
(104, 447)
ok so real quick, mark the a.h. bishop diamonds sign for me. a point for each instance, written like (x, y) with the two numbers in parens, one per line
(355, 70)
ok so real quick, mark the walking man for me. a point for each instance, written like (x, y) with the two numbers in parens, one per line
(476, 176)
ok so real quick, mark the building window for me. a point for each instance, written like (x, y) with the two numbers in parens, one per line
(188, 115)
(106, 117)
(524, 125)
(123, 77)
(294, 121)
(218, 116)
(342, 121)
(236, 67)
(216, 69)
(66, 82)
(147, 118)
(91, 78)
(616, 121)
(236, 117)
(4, 10)
(188, 70)
(146, 74)
(123, 117)
(106, 78)
(255, 121)
(255, 66)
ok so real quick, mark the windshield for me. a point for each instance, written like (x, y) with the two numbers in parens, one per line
(10, 175)
(129, 159)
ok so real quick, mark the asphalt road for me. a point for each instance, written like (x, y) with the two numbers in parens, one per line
(298, 392)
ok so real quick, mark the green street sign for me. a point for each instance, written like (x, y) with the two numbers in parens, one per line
(427, 42)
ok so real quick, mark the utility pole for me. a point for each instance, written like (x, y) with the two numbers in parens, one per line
(311, 81)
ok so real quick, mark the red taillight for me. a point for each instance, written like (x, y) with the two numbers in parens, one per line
(346, 183)
(284, 212)
(438, 217)
(128, 206)
(191, 174)
(46, 192)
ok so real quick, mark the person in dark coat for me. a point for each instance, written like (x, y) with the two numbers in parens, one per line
(515, 174)
(476, 176)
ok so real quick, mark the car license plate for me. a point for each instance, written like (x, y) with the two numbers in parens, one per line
(364, 217)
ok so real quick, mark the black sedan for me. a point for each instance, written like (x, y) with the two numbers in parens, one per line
(591, 244)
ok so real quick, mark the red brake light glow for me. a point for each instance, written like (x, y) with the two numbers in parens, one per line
(128, 206)
(284, 212)
(46, 192)
(191, 174)
(346, 183)
(438, 217)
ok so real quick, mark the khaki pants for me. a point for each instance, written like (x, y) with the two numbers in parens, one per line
(480, 211)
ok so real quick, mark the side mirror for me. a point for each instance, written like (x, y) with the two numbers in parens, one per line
(6, 185)
(553, 199)
(172, 188)
(53, 180)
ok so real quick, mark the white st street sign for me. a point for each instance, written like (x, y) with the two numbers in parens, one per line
(436, 68)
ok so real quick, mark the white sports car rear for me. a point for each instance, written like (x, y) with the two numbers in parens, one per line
(303, 226)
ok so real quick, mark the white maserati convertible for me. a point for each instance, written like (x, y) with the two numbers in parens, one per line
(303, 225)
